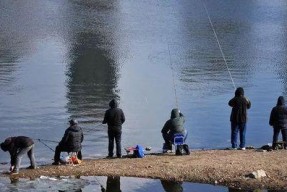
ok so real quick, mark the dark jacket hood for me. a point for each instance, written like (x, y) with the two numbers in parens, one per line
(281, 101)
(239, 91)
(6, 143)
(113, 103)
(174, 113)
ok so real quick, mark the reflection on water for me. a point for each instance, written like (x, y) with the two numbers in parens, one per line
(172, 186)
(112, 184)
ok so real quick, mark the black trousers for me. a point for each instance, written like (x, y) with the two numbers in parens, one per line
(115, 135)
(276, 132)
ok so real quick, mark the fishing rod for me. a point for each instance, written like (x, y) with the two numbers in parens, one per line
(219, 45)
(172, 71)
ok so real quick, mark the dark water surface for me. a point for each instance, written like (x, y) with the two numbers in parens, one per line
(67, 59)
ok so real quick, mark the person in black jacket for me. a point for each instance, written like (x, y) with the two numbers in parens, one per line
(71, 142)
(114, 117)
(278, 119)
(172, 126)
(238, 117)
(17, 147)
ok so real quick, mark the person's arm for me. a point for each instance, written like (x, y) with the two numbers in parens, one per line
(82, 136)
(272, 117)
(165, 128)
(123, 118)
(13, 158)
(182, 117)
(248, 103)
(65, 137)
(231, 102)
(105, 118)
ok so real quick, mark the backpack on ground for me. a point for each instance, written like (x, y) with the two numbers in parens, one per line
(182, 150)
(179, 150)
(138, 151)
(186, 149)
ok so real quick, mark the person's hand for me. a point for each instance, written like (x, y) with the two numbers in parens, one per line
(12, 168)
(247, 99)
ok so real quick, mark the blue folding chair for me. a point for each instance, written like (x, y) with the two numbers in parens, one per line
(178, 140)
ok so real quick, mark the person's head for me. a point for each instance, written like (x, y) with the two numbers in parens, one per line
(5, 144)
(73, 122)
(239, 92)
(113, 103)
(174, 113)
(280, 101)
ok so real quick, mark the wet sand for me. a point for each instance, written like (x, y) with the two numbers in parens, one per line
(220, 167)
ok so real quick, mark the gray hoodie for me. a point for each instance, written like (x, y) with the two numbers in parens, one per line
(175, 123)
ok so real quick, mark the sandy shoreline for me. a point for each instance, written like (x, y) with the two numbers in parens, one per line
(221, 167)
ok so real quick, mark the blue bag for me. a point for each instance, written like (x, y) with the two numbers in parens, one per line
(139, 151)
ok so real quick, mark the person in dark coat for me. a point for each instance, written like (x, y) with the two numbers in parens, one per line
(278, 119)
(17, 147)
(173, 126)
(114, 117)
(238, 117)
(71, 141)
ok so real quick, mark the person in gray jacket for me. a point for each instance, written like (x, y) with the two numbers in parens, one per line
(17, 147)
(173, 126)
(71, 142)
(278, 119)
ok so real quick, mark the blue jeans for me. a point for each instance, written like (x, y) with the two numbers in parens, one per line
(235, 128)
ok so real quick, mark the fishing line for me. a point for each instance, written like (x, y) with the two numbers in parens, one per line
(174, 86)
(215, 35)
(48, 140)
(46, 145)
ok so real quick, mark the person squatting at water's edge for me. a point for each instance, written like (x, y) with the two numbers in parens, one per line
(18, 147)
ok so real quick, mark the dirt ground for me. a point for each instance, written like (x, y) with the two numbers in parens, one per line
(220, 167)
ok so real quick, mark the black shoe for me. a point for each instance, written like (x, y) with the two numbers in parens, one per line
(31, 167)
(109, 157)
(56, 163)
(119, 156)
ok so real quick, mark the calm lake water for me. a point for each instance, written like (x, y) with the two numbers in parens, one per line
(67, 59)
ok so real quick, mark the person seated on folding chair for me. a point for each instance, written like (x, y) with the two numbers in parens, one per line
(171, 127)
(71, 142)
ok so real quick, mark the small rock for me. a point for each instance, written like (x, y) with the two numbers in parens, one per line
(257, 174)
(261, 150)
